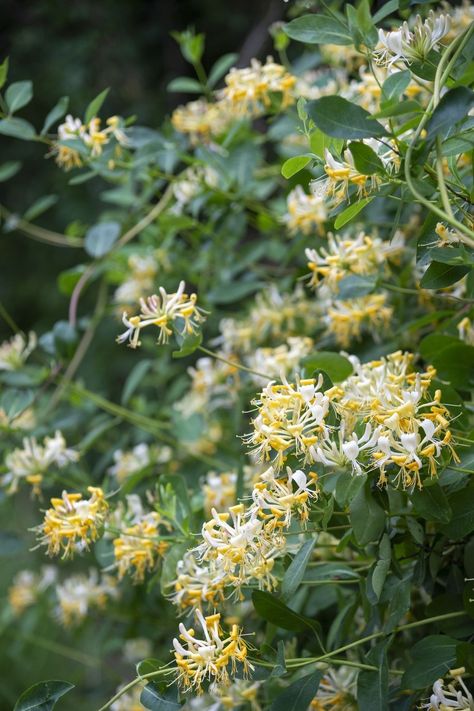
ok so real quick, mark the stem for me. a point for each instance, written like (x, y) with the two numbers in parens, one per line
(147, 219)
(131, 684)
(77, 292)
(234, 364)
(40, 233)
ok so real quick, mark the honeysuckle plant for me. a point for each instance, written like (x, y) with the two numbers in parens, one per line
(244, 457)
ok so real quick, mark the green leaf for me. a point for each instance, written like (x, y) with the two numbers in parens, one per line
(42, 696)
(366, 25)
(372, 686)
(382, 567)
(318, 29)
(168, 566)
(453, 107)
(9, 169)
(95, 106)
(157, 697)
(185, 85)
(462, 522)
(386, 10)
(295, 571)
(457, 256)
(398, 108)
(432, 658)
(221, 67)
(394, 86)
(18, 94)
(40, 206)
(440, 275)
(366, 160)
(191, 342)
(367, 517)
(14, 401)
(350, 212)
(355, 285)
(298, 695)
(17, 128)
(101, 238)
(134, 379)
(319, 142)
(3, 72)
(228, 293)
(432, 504)
(293, 165)
(56, 113)
(340, 118)
(335, 365)
(455, 363)
(416, 530)
(273, 610)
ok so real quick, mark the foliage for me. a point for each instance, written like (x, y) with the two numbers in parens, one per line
(288, 463)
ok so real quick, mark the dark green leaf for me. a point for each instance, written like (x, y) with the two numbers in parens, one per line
(273, 610)
(298, 695)
(454, 106)
(42, 696)
(350, 212)
(9, 169)
(440, 275)
(101, 238)
(155, 697)
(95, 106)
(340, 118)
(56, 113)
(366, 160)
(17, 128)
(398, 108)
(354, 285)
(462, 522)
(14, 401)
(221, 67)
(296, 570)
(318, 29)
(18, 94)
(134, 379)
(432, 658)
(382, 567)
(395, 84)
(40, 206)
(336, 366)
(367, 517)
(432, 504)
(191, 342)
(372, 686)
(3, 72)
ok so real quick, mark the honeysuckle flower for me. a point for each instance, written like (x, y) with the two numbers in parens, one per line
(210, 658)
(343, 256)
(139, 547)
(214, 384)
(31, 463)
(305, 213)
(201, 119)
(161, 311)
(73, 523)
(282, 360)
(28, 585)
(219, 490)
(336, 451)
(290, 420)
(141, 456)
(143, 270)
(446, 236)
(407, 46)
(346, 320)
(248, 91)
(450, 694)
(280, 499)
(466, 330)
(342, 174)
(78, 594)
(14, 353)
(336, 691)
(193, 182)
(240, 693)
(91, 135)
(197, 585)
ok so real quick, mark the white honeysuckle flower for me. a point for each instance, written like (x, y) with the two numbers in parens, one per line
(407, 45)
(13, 353)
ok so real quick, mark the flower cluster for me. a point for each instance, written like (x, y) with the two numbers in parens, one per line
(90, 136)
(201, 119)
(407, 46)
(13, 353)
(28, 585)
(388, 421)
(78, 594)
(133, 461)
(162, 311)
(139, 547)
(73, 523)
(305, 213)
(248, 91)
(346, 320)
(143, 270)
(209, 658)
(451, 694)
(32, 461)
